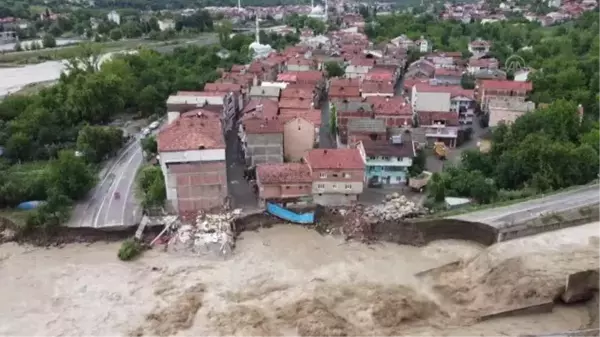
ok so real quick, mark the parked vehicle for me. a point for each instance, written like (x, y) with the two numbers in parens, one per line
(117, 195)
(154, 125)
(440, 150)
(419, 182)
(146, 132)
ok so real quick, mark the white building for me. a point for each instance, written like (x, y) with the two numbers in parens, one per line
(166, 24)
(259, 50)
(114, 17)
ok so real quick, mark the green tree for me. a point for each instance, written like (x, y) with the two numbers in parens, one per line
(70, 175)
(467, 82)
(55, 30)
(149, 145)
(116, 34)
(18, 47)
(48, 41)
(99, 142)
(334, 69)
(418, 163)
(152, 184)
(150, 101)
(130, 30)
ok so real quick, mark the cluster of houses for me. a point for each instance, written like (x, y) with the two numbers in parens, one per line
(271, 111)
(481, 11)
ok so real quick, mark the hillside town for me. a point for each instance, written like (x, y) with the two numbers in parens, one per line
(282, 130)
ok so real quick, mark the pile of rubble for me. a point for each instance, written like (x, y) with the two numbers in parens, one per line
(395, 207)
(208, 234)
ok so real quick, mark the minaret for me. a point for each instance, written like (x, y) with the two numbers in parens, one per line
(312, 4)
(239, 5)
(326, 9)
(257, 30)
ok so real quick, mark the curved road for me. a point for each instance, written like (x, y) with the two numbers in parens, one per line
(101, 209)
(527, 210)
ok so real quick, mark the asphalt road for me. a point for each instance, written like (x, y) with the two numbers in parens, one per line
(527, 210)
(101, 209)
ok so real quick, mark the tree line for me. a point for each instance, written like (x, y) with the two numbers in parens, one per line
(52, 141)
(544, 150)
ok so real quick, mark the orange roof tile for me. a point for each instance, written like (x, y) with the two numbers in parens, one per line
(193, 130)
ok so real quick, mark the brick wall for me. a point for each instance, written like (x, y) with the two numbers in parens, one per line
(200, 186)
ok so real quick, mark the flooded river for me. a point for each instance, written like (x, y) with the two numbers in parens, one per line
(285, 280)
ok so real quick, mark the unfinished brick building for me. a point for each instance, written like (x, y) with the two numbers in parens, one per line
(192, 159)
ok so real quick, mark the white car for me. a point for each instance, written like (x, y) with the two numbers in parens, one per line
(146, 132)
(154, 125)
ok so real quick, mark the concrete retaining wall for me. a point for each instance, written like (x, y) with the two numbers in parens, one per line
(580, 286)
(550, 222)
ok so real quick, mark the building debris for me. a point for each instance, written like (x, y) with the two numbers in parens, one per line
(209, 233)
(395, 207)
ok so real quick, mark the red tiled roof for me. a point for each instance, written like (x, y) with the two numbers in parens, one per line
(299, 61)
(260, 126)
(287, 77)
(390, 105)
(447, 72)
(236, 68)
(506, 85)
(344, 82)
(483, 63)
(253, 109)
(380, 75)
(344, 92)
(453, 90)
(284, 173)
(428, 117)
(296, 92)
(349, 159)
(370, 87)
(295, 103)
(191, 131)
(311, 115)
(311, 76)
(222, 87)
(201, 93)
(362, 61)
(411, 82)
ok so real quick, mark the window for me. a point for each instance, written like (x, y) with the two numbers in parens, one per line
(334, 186)
(385, 158)
(321, 186)
(398, 179)
(287, 187)
(323, 175)
(348, 186)
(335, 175)
(347, 175)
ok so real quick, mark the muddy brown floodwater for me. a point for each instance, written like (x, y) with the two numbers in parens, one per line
(285, 280)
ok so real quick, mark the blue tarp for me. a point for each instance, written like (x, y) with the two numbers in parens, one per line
(288, 215)
(27, 205)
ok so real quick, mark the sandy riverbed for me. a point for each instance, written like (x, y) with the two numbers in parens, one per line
(281, 281)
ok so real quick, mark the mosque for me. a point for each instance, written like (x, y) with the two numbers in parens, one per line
(259, 50)
(318, 12)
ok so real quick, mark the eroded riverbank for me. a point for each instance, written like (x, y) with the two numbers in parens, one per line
(282, 280)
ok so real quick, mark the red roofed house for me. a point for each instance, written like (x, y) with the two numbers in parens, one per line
(337, 174)
(342, 93)
(395, 110)
(304, 92)
(381, 75)
(370, 88)
(501, 88)
(192, 158)
(262, 108)
(447, 76)
(300, 131)
(226, 102)
(283, 182)
(262, 140)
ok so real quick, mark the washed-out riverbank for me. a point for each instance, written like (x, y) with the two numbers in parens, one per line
(282, 280)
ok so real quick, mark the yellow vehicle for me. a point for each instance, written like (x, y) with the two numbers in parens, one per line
(439, 148)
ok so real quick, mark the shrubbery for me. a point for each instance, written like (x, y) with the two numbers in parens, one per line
(130, 249)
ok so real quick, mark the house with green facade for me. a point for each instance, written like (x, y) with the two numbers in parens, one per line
(388, 162)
